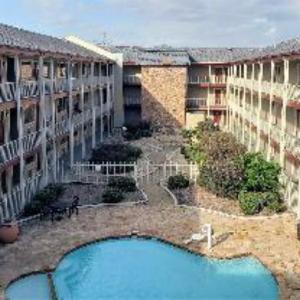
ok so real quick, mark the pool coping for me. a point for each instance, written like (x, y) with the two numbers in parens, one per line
(48, 272)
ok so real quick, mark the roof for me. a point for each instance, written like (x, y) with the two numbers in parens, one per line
(186, 56)
(143, 56)
(23, 39)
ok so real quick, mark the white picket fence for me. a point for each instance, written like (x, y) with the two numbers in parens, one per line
(142, 172)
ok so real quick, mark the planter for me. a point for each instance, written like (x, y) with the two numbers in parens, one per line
(9, 232)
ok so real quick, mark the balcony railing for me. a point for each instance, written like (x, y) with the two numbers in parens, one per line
(279, 89)
(292, 143)
(60, 85)
(7, 91)
(132, 101)
(132, 79)
(196, 103)
(213, 79)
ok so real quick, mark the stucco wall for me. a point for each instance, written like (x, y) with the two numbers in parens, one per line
(163, 95)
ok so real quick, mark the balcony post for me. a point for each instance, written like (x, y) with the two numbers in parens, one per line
(101, 105)
(251, 105)
(260, 77)
(20, 126)
(54, 163)
(42, 121)
(83, 147)
(108, 101)
(93, 106)
(286, 64)
(270, 109)
(244, 104)
(71, 127)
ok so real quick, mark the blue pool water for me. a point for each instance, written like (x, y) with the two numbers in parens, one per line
(33, 287)
(149, 269)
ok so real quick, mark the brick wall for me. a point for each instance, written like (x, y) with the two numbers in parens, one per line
(163, 95)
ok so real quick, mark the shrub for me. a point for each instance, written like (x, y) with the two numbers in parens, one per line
(178, 182)
(207, 126)
(193, 153)
(116, 153)
(43, 198)
(123, 184)
(220, 145)
(260, 174)
(111, 195)
(251, 203)
(223, 177)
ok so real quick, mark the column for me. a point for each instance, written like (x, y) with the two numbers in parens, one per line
(93, 105)
(260, 77)
(42, 121)
(283, 111)
(83, 147)
(20, 115)
(71, 127)
(52, 99)
(251, 105)
(108, 101)
(244, 105)
(270, 109)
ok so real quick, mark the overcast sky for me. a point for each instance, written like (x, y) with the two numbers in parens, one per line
(156, 22)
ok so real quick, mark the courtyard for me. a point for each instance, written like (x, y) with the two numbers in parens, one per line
(271, 239)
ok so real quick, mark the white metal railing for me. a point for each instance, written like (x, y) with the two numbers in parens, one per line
(196, 103)
(7, 91)
(9, 151)
(292, 143)
(29, 89)
(132, 79)
(214, 79)
(31, 141)
(128, 101)
(11, 204)
(60, 85)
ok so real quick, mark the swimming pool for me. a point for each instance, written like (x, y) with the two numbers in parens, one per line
(136, 268)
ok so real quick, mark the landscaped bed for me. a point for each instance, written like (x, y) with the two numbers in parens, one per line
(198, 196)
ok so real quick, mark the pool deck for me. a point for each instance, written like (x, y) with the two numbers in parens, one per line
(271, 240)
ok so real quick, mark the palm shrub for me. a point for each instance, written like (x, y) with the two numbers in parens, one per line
(222, 177)
(207, 126)
(178, 182)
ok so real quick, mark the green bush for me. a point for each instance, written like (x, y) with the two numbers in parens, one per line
(193, 153)
(251, 203)
(116, 153)
(222, 177)
(178, 182)
(42, 199)
(260, 175)
(123, 184)
(111, 195)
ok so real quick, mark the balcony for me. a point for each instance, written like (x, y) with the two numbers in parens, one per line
(132, 79)
(196, 103)
(293, 90)
(208, 80)
(132, 101)
(11, 150)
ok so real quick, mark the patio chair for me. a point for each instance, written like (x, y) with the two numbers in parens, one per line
(74, 206)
